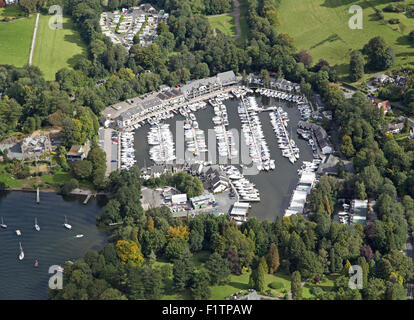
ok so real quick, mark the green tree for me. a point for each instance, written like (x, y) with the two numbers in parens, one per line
(82, 169)
(257, 277)
(296, 285)
(199, 285)
(69, 186)
(380, 55)
(347, 147)
(356, 66)
(218, 269)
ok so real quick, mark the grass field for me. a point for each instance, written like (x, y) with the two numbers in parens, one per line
(11, 11)
(57, 49)
(224, 23)
(321, 26)
(15, 40)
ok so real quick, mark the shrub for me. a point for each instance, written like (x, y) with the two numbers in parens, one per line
(276, 285)
(69, 186)
(316, 290)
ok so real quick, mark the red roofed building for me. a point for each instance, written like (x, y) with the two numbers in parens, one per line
(385, 105)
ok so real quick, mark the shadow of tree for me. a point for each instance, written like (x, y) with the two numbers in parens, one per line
(331, 38)
(239, 285)
(362, 3)
(75, 59)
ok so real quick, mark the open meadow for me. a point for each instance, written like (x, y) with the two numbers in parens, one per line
(321, 27)
(225, 23)
(15, 40)
(57, 48)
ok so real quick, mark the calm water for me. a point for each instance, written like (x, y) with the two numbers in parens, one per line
(53, 245)
(275, 186)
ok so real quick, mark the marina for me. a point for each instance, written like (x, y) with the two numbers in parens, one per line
(275, 187)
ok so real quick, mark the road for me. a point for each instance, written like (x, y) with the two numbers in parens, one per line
(111, 149)
(409, 252)
(34, 39)
(236, 15)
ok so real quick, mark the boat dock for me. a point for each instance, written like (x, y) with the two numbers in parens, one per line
(38, 196)
(246, 112)
(87, 198)
(286, 133)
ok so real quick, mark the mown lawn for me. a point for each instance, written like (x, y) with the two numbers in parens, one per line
(321, 26)
(56, 180)
(224, 23)
(7, 179)
(15, 40)
(11, 11)
(239, 283)
(57, 48)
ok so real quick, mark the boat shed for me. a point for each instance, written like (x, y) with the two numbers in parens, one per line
(240, 209)
(297, 204)
(307, 179)
(202, 201)
(179, 198)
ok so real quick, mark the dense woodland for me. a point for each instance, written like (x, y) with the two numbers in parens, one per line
(129, 267)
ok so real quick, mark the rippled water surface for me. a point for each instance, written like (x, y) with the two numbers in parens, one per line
(53, 245)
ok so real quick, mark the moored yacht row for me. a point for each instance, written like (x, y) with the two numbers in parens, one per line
(246, 191)
(279, 120)
(242, 92)
(193, 136)
(161, 139)
(127, 150)
(253, 134)
(225, 140)
(280, 95)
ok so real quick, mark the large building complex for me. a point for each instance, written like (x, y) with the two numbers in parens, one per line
(129, 113)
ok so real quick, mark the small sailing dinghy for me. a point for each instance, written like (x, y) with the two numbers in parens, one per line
(79, 236)
(36, 226)
(3, 225)
(21, 255)
(36, 264)
(67, 225)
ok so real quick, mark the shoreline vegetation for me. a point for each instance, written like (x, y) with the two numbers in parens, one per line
(207, 251)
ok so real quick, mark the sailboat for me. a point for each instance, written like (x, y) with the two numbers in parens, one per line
(36, 225)
(67, 225)
(21, 255)
(3, 225)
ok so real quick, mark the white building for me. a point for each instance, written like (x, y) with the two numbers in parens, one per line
(179, 199)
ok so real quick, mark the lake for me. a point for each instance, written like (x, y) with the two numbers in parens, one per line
(52, 245)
